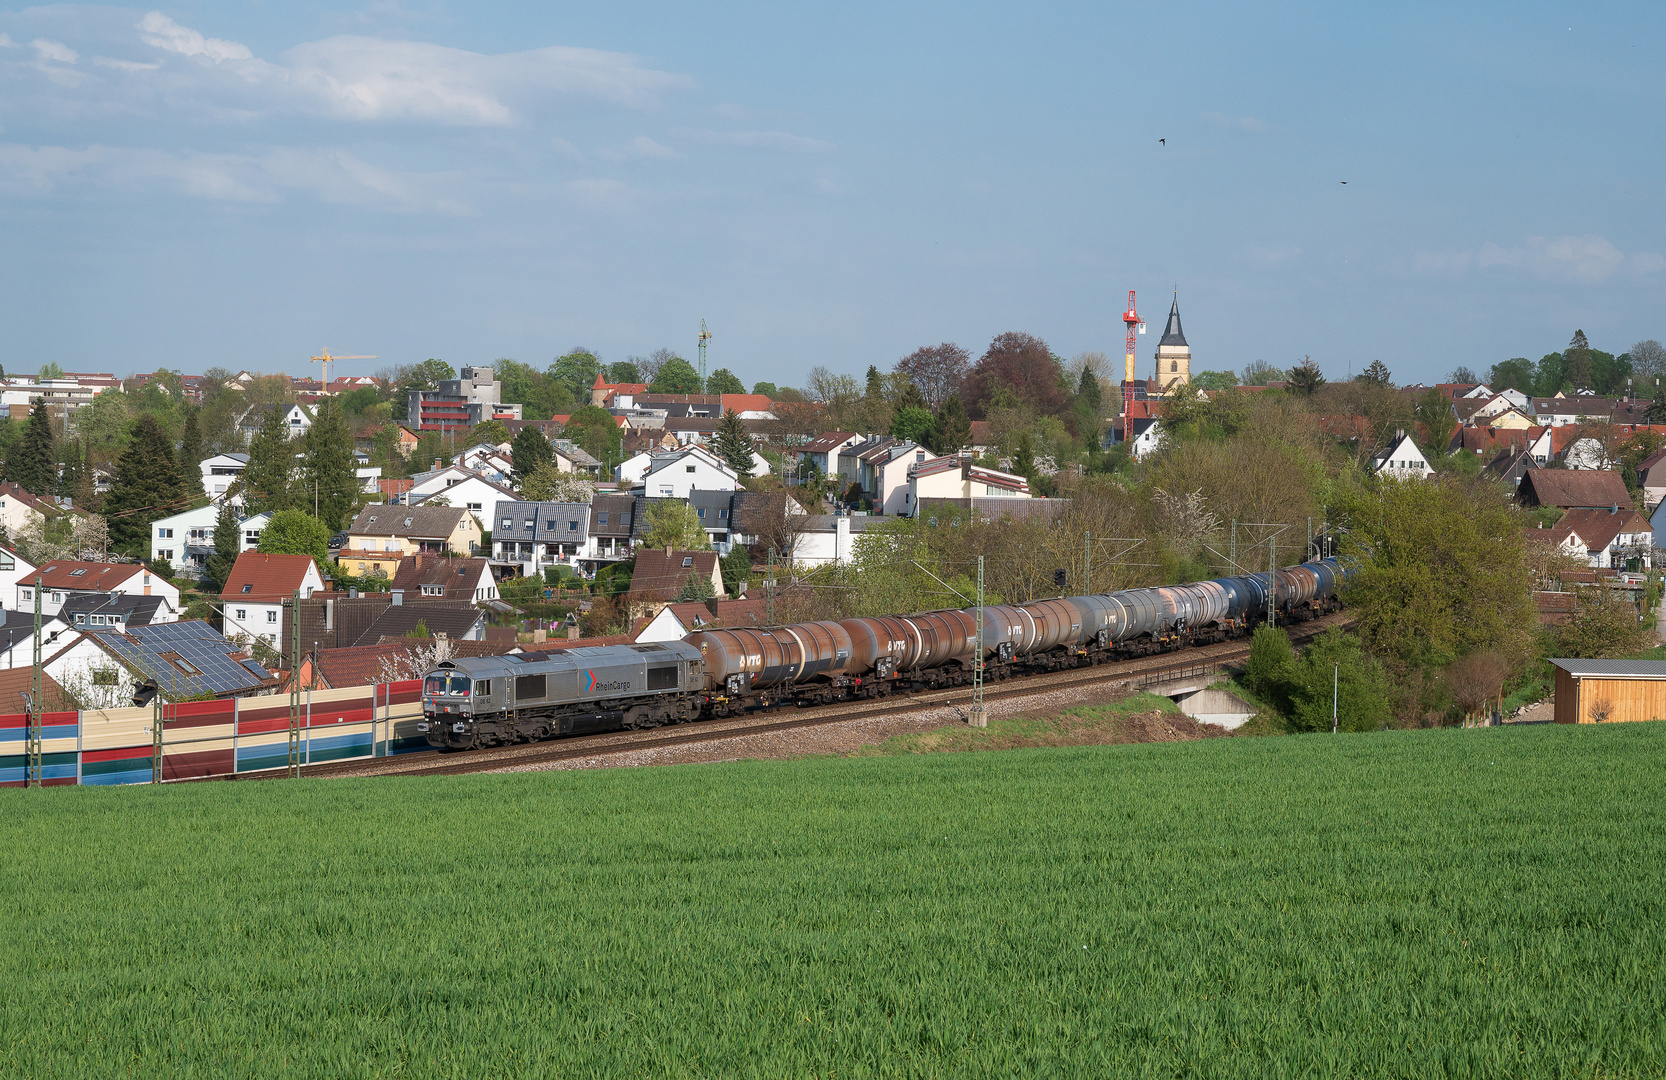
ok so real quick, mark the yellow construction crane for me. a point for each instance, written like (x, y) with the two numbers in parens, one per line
(326, 360)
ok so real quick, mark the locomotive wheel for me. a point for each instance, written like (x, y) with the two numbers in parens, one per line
(636, 718)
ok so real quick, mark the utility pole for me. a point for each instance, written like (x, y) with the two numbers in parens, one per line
(1233, 557)
(769, 590)
(295, 685)
(32, 749)
(1335, 683)
(1087, 563)
(156, 733)
(1272, 581)
(978, 718)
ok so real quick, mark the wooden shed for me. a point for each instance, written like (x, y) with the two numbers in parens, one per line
(1606, 691)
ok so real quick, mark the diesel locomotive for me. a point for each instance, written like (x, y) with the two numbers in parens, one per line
(484, 701)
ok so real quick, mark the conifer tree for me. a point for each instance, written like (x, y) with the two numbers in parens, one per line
(190, 456)
(733, 445)
(69, 480)
(269, 479)
(529, 450)
(952, 430)
(145, 486)
(329, 482)
(37, 458)
(226, 547)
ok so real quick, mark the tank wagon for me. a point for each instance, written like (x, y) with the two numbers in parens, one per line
(482, 701)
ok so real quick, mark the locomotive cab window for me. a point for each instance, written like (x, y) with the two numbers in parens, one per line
(662, 678)
(482, 687)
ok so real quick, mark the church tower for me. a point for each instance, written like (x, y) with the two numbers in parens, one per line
(1174, 356)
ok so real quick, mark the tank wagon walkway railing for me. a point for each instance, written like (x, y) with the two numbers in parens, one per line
(205, 739)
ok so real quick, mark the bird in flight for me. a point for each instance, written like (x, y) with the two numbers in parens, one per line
(1165, 142)
(1344, 181)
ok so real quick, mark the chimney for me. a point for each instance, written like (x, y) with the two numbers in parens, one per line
(329, 614)
(398, 597)
(667, 551)
(572, 633)
(436, 464)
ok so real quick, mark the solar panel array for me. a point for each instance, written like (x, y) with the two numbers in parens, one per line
(197, 644)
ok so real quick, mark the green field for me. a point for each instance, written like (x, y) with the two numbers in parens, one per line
(1449, 903)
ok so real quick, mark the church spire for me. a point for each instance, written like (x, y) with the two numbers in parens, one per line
(1172, 335)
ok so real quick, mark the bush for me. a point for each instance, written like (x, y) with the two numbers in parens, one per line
(1362, 689)
(1270, 654)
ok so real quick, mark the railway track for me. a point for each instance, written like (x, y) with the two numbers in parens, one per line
(1134, 674)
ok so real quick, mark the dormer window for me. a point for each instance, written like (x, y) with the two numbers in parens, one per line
(688, 560)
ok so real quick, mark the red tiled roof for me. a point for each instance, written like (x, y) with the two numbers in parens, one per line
(458, 577)
(1598, 528)
(1569, 488)
(661, 577)
(271, 577)
(746, 402)
(394, 486)
(91, 576)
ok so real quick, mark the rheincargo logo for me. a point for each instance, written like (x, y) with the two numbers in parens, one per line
(587, 684)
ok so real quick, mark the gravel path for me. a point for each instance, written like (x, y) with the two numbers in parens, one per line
(839, 738)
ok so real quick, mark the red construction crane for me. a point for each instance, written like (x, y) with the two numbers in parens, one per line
(1132, 319)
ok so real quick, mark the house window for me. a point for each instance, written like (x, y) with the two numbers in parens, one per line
(688, 468)
(701, 512)
(601, 519)
(57, 597)
(1174, 365)
(722, 515)
(77, 573)
(572, 526)
(529, 523)
(28, 594)
(165, 534)
(508, 523)
(252, 536)
(474, 506)
(688, 560)
(271, 616)
(433, 590)
(166, 554)
(549, 526)
(248, 588)
(199, 534)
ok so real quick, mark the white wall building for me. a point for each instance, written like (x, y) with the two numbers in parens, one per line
(64, 578)
(460, 488)
(673, 475)
(220, 471)
(1402, 461)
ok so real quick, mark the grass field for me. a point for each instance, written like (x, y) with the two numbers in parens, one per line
(1447, 903)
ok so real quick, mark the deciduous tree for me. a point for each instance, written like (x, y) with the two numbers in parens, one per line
(673, 523)
(577, 371)
(1022, 364)
(724, 381)
(937, 370)
(676, 376)
(296, 532)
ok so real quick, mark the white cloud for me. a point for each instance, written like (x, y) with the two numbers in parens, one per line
(1587, 260)
(123, 65)
(640, 148)
(47, 49)
(332, 176)
(1247, 124)
(6, 42)
(162, 32)
(766, 140)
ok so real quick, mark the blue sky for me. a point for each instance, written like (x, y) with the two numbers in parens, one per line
(243, 184)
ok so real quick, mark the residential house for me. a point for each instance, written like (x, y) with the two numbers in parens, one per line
(256, 589)
(297, 420)
(615, 395)
(118, 610)
(361, 665)
(712, 508)
(823, 452)
(185, 540)
(1617, 538)
(188, 659)
(394, 489)
(535, 536)
(1561, 411)
(611, 522)
(673, 475)
(1573, 490)
(1651, 474)
(383, 534)
(485, 459)
(959, 478)
(1402, 460)
(1511, 464)
(662, 575)
(442, 578)
(455, 486)
(676, 621)
(251, 528)
(61, 579)
(825, 539)
(572, 458)
(13, 568)
(220, 472)
(18, 508)
(882, 472)
(1144, 435)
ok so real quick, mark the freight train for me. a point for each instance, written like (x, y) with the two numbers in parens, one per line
(482, 701)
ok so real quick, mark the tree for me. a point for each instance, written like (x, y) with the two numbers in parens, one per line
(1578, 360)
(1215, 380)
(1019, 364)
(34, 462)
(1434, 412)
(723, 381)
(227, 545)
(951, 430)
(1648, 359)
(676, 376)
(1336, 662)
(597, 431)
(529, 450)
(145, 486)
(1376, 375)
(540, 395)
(768, 389)
(623, 371)
(737, 570)
(577, 371)
(491, 431)
(1261, 373)
(1306, 379)
(1270, 657)
(328, 474)
(733, 444)
(1551, 375)
(697, 587)
(1604, 624)
(649, 365)
(1088, 407)
(296, 532)
(1513, 374)
(914, 425)
(190, 456)
(548, 484)
(937, 370)
(1023, 459)
(1656, 412)
(1462, 374)
(270, 476)
(673, 523)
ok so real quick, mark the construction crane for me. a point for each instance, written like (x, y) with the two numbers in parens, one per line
(326, 360)
(1132, 319)
(705, 336)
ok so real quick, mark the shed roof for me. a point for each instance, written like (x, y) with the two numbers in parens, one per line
(1613, 669)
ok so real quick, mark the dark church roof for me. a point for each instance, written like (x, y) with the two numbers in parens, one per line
(1172, 334)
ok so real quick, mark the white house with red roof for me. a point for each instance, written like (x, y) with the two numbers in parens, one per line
(615, 395)
(61, 579)
(256, 589)
(19, 507)
(959, 478)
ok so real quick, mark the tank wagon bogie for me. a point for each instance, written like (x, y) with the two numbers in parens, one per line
(484, 701)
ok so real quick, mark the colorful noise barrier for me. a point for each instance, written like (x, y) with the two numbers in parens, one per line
(215, 738)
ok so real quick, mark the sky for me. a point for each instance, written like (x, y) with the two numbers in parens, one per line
(244, 184)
